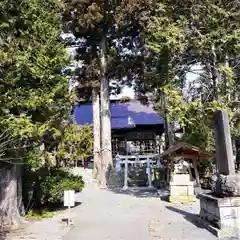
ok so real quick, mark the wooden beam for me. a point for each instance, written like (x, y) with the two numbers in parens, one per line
(184, 147)
(171, 169)
(196, 172)
(190, 157)
(190, 172)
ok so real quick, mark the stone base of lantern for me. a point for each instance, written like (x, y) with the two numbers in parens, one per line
(181, 189)
(221, 216)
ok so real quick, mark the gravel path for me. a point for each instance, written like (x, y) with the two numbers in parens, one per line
(46, 229)
(125, 215)
(140, 215)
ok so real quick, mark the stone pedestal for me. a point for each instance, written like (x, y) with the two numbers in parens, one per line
(116, 179)
(181, 189)
(221, 215)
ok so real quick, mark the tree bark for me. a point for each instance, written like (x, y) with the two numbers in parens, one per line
(215, 74)
(11, 206)
(167, 125)
(105, 116)
(227, 90)
(96, 134)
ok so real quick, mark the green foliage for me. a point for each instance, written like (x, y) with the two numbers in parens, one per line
(38, 215)
(199, 23)
(181, 36)
(46, 186)
(120, 23)
(33, 92)
(195, 117)
(33, 157)
(76, 142)
(53, 185)
(188, 33)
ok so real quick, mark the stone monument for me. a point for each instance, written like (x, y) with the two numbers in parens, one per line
(220, 209)
(181, 185)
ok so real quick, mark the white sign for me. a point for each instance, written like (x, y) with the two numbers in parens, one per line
(69, 198)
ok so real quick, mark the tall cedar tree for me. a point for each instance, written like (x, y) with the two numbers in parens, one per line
(33, 92)
(111, 48)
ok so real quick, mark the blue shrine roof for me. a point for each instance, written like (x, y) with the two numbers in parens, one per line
(123, 115)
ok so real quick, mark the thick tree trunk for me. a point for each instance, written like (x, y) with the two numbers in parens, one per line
(11, 206)
(96, 134)
(169, 138)
(215, 74)
(227, 90)
(105, 117)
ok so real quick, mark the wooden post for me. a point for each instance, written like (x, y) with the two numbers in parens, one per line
(126, 173)
(196, 172)
(149, 173)
(137, 161)
(169, 171)
(171, 168)
(190, 172)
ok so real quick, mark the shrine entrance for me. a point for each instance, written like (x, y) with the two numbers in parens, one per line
(138, 170)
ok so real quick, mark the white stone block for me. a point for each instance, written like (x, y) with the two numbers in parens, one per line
(181, 179)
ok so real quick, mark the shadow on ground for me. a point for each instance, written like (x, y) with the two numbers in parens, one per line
(59, 207)
(137, 192)
(191, 217)
(3, 234)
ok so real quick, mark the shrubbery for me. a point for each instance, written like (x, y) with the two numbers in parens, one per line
(53, 185)
(38, 215)
(46, 186)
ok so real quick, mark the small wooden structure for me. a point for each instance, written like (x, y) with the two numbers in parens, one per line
(182, 151)
(186, 150)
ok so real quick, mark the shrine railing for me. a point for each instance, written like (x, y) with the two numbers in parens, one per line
(136, 160)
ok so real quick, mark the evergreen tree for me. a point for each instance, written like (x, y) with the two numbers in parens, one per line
(111, 48)
(183, 35)
(33, 92)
